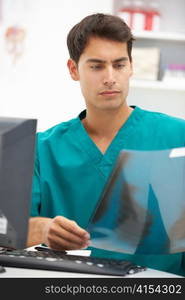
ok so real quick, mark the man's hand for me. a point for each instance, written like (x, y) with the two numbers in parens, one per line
(61, 233)
(58, 233)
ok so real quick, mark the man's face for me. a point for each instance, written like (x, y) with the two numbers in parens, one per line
(103, 70)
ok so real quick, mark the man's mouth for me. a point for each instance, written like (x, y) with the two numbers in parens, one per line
(109, 92)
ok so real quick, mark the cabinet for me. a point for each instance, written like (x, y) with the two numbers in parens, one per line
(160, 95)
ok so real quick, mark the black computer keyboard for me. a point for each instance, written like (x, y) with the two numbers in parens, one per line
(60, 261)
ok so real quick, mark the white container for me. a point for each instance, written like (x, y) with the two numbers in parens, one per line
(153, 16)
(139, 16)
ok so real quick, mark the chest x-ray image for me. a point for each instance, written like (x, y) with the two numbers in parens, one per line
(142, 208)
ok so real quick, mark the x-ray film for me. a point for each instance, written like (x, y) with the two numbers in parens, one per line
(142, 208)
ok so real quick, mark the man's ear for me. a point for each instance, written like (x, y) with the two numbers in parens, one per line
(73, 69)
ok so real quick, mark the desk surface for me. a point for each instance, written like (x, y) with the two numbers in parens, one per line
(34, 273)
(30, 273)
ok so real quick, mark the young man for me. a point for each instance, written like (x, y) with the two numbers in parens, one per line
(74, 159)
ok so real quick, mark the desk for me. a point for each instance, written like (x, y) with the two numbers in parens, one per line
(30, 273)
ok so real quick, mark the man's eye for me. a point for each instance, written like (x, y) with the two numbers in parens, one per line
(96, 67)
(119, 66)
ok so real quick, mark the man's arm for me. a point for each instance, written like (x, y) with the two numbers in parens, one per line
(58, 233)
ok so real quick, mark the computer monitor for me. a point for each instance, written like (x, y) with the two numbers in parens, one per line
(17, 144)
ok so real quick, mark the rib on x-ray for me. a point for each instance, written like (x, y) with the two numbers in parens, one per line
(142, 208)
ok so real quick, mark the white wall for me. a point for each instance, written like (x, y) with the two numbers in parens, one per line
(39, 85)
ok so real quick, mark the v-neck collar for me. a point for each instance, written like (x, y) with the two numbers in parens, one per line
(118, 142)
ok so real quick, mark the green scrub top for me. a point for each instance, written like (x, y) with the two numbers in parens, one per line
(71, 172)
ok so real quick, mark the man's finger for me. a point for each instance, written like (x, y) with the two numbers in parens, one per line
(73, 227)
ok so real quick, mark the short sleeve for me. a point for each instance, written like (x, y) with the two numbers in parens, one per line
(36, 194)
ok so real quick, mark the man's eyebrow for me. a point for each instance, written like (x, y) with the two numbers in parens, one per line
(120, 59)
(96, 60)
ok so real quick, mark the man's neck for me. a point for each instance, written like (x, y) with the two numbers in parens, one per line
(106, 124)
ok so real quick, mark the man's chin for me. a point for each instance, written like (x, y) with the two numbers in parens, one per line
(110, 106)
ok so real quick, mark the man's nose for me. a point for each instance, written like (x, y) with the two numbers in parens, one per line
(109, 77)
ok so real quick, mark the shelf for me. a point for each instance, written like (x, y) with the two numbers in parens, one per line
(166, 36)
(157, 85)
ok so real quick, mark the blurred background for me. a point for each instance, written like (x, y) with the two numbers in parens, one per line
(34, 79)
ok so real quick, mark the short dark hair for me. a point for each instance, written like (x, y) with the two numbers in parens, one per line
(98, 25)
